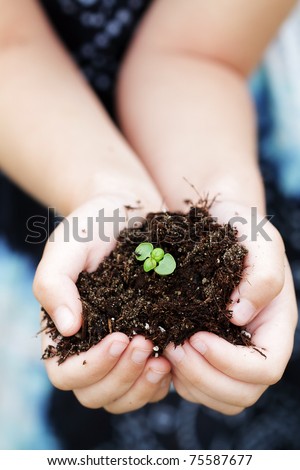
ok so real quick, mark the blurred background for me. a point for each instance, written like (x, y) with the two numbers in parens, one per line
(34, 416)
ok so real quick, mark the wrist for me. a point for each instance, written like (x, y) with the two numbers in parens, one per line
(243, 185)
(120, 190)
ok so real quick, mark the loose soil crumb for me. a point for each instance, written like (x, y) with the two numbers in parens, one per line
(120, 296)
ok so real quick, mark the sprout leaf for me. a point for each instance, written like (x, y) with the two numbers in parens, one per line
(166, 266)
(149, 264)
(157, 254)
(143, 251)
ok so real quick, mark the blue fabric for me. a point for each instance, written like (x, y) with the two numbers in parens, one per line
(277, 94)
(32, 414)
(24, 388)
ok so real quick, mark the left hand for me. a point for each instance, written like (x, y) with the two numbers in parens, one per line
(228, 378)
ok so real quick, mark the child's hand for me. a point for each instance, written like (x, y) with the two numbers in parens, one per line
(227, 378)
(186, 76)
(115, 374)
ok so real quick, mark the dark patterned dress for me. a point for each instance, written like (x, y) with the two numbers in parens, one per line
(97, 33)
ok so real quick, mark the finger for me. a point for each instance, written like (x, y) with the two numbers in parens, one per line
(163, 391)
(120, 379)
(203, 399)
(75, 246)
(264, 267)
(88, 367)
(57, 293)
(152, 385)
(272, 332)
(199, 376)
(54, 282)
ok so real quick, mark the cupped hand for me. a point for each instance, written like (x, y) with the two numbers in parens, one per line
(228, 378)
(116, 374)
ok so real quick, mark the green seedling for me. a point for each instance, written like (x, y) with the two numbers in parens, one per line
(155, 258)
(143, 251)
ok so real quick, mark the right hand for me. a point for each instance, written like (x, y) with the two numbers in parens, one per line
(117, 374)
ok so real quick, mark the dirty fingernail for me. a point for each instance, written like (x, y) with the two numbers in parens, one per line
(117, 348)
(139, 355)
(243, 311)
(64, 319)
(154, 376)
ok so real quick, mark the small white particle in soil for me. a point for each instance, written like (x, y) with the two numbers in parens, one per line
(247, 334)
(156, 355)
(112, 319)
(147, 326)
(155, 348)
(134, 333)
(204, 280)
(137, 224)
(162, 329)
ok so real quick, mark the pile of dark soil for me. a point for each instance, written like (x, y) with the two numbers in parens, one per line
(120, 296)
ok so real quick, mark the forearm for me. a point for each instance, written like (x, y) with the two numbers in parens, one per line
(183, 99)
(191, 118)
(57, 142)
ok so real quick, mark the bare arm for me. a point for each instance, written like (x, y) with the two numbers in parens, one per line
(56, 140)
(185, 108)
(183, 99)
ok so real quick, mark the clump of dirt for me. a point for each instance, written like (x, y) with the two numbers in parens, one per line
(120, 296)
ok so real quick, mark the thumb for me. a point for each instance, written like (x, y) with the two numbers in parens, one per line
(263, 278)
(65, 256)
(55, 289)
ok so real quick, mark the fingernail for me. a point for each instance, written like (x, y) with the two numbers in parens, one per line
(199, 346)
(243, 311)
(154, 376)
(165, 382)
(139, 355)
(64, 319)
(117, 348)
(176, 353)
